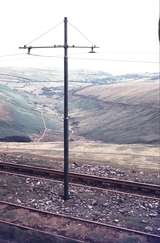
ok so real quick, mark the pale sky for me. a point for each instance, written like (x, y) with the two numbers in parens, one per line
(124, 30)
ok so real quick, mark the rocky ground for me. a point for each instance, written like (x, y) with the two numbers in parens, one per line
(104, 206)
(87, 167)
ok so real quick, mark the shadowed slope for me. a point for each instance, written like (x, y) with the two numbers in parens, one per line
(127, 112)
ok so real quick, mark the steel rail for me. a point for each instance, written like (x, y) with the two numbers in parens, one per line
(34, 230)
(83, 179)
(80, 220)
(78, 185)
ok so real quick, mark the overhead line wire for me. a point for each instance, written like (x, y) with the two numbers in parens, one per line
(97, 59)
(11, 55)
(81, 58)
(114, 60)
(44, 33)
(84, 36)
(38, 55)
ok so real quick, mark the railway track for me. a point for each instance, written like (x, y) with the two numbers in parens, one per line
(16, 233)
(83, 179)
(67, 227)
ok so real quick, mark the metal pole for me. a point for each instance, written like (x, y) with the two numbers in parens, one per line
(66, 120)
(66, 141)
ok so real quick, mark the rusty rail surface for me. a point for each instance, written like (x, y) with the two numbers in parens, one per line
(84, 179)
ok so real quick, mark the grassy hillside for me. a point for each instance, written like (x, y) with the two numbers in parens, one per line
(119, 113)
(139, 92)
(18, 117)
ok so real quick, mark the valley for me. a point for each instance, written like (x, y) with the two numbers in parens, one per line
(112, 109)
(114, 135)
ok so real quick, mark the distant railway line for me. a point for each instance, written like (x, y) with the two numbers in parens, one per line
(81, 230)
(138, 188)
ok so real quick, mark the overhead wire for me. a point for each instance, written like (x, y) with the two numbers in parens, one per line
(11, 55)
(44, 33)
(97, 59)
(38, 55)
(113, 60)
(78, 58)
(38, 37)
(82, 58)
(74, 57)
(84, 36)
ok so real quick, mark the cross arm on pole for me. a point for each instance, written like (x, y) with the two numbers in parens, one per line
(39, 47)
(85, 47)
(58, 46)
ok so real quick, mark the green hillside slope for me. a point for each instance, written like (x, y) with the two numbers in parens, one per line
(17, 117)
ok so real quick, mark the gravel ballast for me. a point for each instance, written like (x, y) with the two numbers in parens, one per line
(99, 205)
(86, 167)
